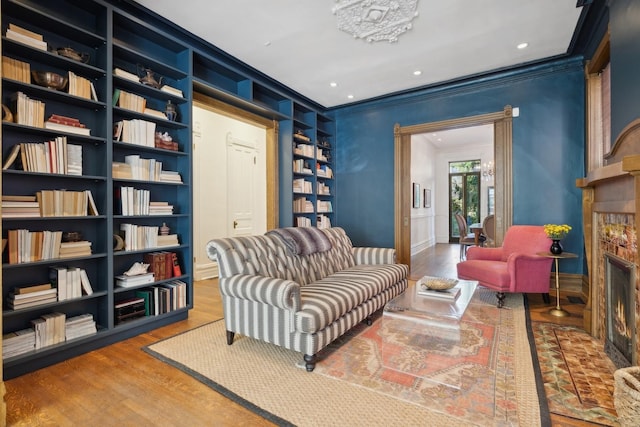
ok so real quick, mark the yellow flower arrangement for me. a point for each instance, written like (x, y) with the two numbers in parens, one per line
(557, 232)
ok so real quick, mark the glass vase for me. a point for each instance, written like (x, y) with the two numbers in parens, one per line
(556, 247)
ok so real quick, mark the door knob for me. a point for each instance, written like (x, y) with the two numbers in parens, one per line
(235, 224)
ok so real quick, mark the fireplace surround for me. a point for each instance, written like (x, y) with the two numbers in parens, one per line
(611, 218)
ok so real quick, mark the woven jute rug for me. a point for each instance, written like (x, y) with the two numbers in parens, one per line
(490, 378)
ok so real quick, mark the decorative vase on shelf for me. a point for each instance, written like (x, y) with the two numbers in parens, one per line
(556, 247)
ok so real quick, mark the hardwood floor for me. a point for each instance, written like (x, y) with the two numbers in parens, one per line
(122, 385)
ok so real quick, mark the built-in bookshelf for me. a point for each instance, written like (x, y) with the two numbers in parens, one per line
(116, 118)
(65, 237)
(312, 166)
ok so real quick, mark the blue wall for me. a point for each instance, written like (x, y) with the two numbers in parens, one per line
(548, 148)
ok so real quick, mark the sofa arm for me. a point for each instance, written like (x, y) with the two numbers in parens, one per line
(280, 293)
(529, 273)
(486, 254)
(372, 256)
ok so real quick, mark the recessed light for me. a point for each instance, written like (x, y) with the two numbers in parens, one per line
(267, 43)
(350, 96)
(333, 84)
(417, 72)
(522, 45)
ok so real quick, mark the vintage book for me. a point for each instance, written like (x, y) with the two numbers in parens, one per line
(19, 290)
(67, 128)
(176, 266)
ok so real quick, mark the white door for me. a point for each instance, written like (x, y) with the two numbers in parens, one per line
(241, 183)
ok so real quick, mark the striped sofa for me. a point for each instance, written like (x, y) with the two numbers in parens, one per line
(302, 301)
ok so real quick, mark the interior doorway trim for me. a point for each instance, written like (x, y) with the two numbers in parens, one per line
(503, 141)
(271, 126)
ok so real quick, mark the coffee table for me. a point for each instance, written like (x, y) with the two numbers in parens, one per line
(413, 322)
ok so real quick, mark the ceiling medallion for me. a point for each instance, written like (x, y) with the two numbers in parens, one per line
(375, 20)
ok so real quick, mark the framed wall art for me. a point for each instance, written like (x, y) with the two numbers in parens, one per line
(427, 197)
(416, 195)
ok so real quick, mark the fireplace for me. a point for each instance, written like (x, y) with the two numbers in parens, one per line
(620, 311)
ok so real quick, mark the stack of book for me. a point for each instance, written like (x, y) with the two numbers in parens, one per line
(31, 296)
(301, 166)
(303, 221)
(16, 70)
(144, 169)
(301, 185)
(66, 124)
(129, 309)
(160, 208)
(29, 112)
(172, 90)
(324, 171)
(70, 282)
(170, 176)
(18, 342)
(75, 249)
(167, 241)
(323, 189)
(303, 150)
(31, 246)
(125, 281)
(20, 207)
(50, 329)
(80, 326)
(25, 36)
(126, 75)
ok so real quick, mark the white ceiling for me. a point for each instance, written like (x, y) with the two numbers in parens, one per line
(297, 42)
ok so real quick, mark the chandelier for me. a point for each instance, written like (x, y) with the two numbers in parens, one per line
(488, 171)
(375, 20)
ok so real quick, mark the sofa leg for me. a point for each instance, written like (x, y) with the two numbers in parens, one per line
(310, 362)
(230, 336)
(545, 298)
(368, 321)
(500, 296)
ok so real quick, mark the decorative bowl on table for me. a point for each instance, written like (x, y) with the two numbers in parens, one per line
(438, 284)
(49, 79)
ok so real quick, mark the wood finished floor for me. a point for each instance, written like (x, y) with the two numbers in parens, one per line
(121, 385)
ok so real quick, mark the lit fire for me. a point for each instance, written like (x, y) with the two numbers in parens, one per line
(620, 321)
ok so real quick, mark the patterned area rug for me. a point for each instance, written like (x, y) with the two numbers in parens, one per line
(483, 377)
(577, 375)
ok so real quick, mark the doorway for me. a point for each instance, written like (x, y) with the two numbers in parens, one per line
(502, 123)
(464, 195)
(244, 194)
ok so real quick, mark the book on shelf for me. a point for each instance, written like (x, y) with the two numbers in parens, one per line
(25, 36)
(172, 90)
(11, 157)
(32, 246)
(18, 342)
(92, 209)
(121, 170)
(16, 301)
(447, 294)
(62, 203)
(155, 113)
(125, 281)
(176, 265)
(126, 75)
(28, 112)
(129, 309)
(75, 249)
(79, 86)
(129, 101)
(80, 326)
(160, 264)
(16, 70)
(67, 128)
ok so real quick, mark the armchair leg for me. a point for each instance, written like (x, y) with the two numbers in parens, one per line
(368, 320)
(230, 336)
(500, 296)
(545, 298)
(310, 362)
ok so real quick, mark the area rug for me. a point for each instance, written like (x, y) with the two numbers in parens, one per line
(489, 378)
(577, 374)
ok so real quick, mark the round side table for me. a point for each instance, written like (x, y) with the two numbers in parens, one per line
(558, 311)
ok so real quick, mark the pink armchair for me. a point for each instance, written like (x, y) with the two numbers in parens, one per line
(514, 267)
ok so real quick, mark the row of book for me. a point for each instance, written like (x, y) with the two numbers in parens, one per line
(152, 301)
(302, 205)
(134, 201)
(322, 221)
(303, 150)
(82, 87)
(16, 70)
(136, 131)
(49, 329)
(324, 171)
(29, 112)
(32, 246)
(139, 237)
(301, 166)
(301, 185)
(66, 124)
(54, 156)
(49, 203)
(324, 206)
(129, 101)
(323, 189)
